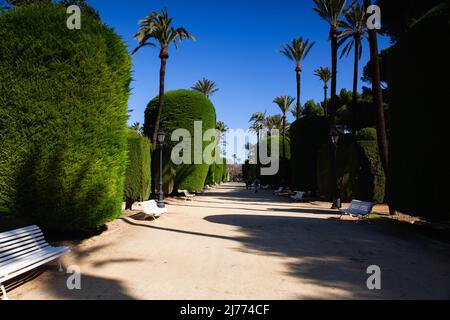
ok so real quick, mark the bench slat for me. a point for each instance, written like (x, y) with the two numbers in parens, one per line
(21, 235)
(21, 239)
(22, 262)
(23, 250)
(18, 232)
(4, 249)
(16, 272)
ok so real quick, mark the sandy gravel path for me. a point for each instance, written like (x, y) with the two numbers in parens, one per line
(234, 244)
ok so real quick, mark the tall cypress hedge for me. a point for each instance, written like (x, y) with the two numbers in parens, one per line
(137, 178)
(210, 176)
(277, 179)
(308, 134)
(418, 67)
(181, 108)
(63, 99)
(359, 171)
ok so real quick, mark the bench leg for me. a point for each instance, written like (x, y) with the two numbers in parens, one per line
(60, 266)
(2, 288)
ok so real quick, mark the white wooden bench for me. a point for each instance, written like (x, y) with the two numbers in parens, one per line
(298, 196)
(278, 191)
(22, 250)
(187, 194)
(151, 208)
(360, 209)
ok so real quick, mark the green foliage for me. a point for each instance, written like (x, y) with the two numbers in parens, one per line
(367, 134)
(359, 171)
(308, 134)
(224, 171)
(418, 156)
(63, 99)
(310, 108)
(181, 109)
(249, 171)
(137, 177)
(283, 169)
(210, 176)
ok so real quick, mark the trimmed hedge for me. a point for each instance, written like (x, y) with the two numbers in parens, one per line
(181, 109)
(284, 163)
(308, 134)
(249, 171)
(210, 176)
(359, 171)
(137, 177)
(63, 100)
(419, 177)
(224, 171)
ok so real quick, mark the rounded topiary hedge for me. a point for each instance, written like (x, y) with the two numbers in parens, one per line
(419, 179)
(63, 100)
(308, 135)
(210, 176)
(137, 177)
(181, 109)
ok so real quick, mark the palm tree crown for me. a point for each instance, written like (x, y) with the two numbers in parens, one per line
(206, 87)
(355, 29)
(158, 26)
(284, 103)
(274, 122)
(298, 50)
(330, 10)
(258, 120)
(324, 74)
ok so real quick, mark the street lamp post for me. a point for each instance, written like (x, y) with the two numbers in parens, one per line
(334, 135)
(161, 138)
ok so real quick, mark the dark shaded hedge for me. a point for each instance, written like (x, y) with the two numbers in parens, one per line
(419, 175)
(210, 176)
(63, 99)
(308, 134)
(359, 171)
(224, 171)
(137, 177)
(249, 171)
(181, 109)
(277, 179)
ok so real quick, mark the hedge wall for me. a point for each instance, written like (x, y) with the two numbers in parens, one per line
(419, 178)
(210, 176)
(181, 109)
(63, 100)
(277, 179)
(137, 177)
(308, 134)
(359, 171)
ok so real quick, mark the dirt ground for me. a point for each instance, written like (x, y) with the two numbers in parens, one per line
(234, 244)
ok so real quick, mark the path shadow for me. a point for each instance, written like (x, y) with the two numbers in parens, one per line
(336, 254)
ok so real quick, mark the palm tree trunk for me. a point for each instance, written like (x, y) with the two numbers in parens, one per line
(355, 84)
(334, 58)
(325, 102)
(298, 73)
(378, 100)
(284, 137)
(162, 74)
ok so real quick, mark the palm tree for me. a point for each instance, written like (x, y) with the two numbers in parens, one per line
(330, 11)
(206, 87)
(158, 26)
(274, 122)
(325, 75)
(296, 52)
(378, 101)
(221, 128)
(258, 120)
(284, 103)
(355, 28)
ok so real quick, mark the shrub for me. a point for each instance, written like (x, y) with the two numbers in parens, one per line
(418, 156)
(181, 109)
(308, 134)
(367, 134)
(63, 99)
(217, 172)
(224, 171)
(137, 177)
(210, 176)
(359, 171)
(283, 171)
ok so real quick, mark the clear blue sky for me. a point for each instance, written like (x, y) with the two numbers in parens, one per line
(238, 43)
